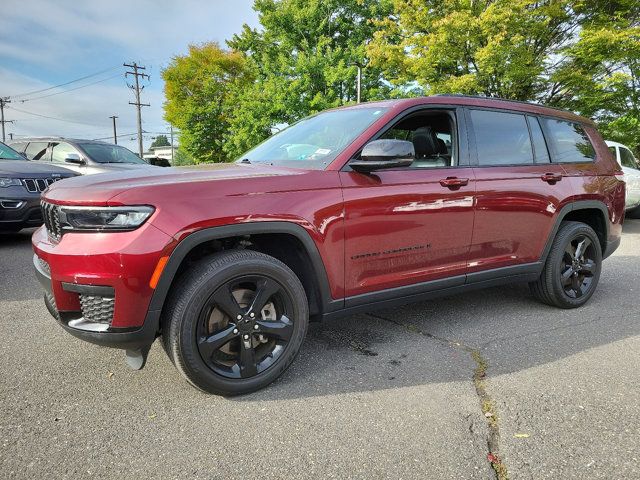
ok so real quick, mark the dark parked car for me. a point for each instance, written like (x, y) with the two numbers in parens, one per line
(21, 183)
(349, 210)
(82, 156)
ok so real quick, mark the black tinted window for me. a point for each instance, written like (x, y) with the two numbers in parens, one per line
(627, 159)
(569, 141)
(539, 144)
(501, 138)
(37, 150)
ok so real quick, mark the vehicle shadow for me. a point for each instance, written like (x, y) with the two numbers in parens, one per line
(416, 344)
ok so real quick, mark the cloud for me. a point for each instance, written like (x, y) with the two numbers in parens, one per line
(44, 43)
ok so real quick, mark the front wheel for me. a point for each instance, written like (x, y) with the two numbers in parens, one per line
(235, 322)
(572, 268)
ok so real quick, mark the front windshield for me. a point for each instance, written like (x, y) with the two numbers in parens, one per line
(8, 153)
(314, 142)
(106, 153)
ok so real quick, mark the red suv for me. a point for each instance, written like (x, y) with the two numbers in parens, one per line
(349, 210)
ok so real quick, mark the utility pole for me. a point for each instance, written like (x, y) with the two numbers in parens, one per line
(171, 133)
(137, 89)
(3, 103)
(115, 134)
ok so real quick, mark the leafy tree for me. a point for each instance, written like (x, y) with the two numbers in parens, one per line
(305, 58)
(200, 90)
(161, 141)
(600, 76)
(498, 48)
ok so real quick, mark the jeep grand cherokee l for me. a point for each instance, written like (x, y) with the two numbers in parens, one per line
(349, 210)
(21, 183)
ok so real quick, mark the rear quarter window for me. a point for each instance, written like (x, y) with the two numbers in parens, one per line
(568, 141)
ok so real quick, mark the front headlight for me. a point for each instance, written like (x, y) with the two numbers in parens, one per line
(9, 182)
(104, 218)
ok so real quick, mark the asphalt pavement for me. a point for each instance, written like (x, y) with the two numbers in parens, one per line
(431, 390)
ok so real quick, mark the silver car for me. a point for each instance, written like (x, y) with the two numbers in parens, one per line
(631, 169)
(82, 156)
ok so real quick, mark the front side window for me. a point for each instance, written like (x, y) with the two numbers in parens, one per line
(501, 138)
(627, 159)
(37, 151)
(7, 153)
(432, 137)
(569, 141)
(107, 153)
(60, 152)
(314, 142)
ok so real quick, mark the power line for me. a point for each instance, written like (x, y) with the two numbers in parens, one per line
(66, 83)
(51, 118)
(137, 89)
(70, 89)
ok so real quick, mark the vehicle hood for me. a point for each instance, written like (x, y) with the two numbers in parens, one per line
(153, 183)
(22, 168)
(112, 167)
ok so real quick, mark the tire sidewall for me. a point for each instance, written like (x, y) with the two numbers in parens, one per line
(187, 319)
(557, 264)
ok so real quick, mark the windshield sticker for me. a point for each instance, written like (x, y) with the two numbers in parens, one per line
(323, 151)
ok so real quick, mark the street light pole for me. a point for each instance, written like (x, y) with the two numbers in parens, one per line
(359, 83)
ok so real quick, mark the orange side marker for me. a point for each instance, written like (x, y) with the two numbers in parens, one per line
(153, 283)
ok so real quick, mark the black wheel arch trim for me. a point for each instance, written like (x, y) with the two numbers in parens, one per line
(187, 244)
(576, 206)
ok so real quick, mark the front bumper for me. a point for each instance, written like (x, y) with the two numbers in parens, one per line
(17, 212)
(97, 284)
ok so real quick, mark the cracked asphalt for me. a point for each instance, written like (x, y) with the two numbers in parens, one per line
(371, 396)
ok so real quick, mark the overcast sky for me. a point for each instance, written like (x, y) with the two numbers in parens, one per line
(45, 43)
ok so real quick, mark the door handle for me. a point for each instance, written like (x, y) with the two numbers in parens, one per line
(454, 183)
(551, 178)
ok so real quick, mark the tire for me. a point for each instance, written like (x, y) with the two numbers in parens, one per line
(634, 212)
(207, 345)
(566, 282)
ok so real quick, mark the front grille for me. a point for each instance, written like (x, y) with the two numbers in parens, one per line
(96, 308)
(51, 217)
(38, 185)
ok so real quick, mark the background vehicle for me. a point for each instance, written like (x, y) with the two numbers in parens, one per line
(349, 210)
(82, 156)
(21, 183)
(631, 169)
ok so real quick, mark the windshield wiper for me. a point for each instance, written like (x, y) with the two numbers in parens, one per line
(245, 160)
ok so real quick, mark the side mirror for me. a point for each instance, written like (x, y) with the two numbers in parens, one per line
(74, 158)
(381, 154)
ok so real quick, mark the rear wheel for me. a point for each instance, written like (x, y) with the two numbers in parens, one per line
(236, 322)
(572, 269)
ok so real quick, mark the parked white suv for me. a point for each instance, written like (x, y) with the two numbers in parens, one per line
(631, 168)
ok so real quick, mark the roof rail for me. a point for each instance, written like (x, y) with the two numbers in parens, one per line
(462, 95)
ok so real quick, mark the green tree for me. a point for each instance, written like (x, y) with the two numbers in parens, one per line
(500, 48)
(161, 141)
(600, 74)
(305, 60)
(200, 90)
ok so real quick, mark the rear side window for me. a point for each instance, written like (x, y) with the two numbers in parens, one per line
(37, 150)
(501, 138)
(569, 142)
(627, 159)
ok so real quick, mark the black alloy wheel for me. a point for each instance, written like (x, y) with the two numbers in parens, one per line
(572, 267)
(235, 321)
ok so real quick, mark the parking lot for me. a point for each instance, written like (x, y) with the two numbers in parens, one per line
(398, 393)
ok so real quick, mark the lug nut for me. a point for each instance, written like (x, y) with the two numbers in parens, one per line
(246, 337)
(255, 327)
(239, 317)
(235, 330)
(252, 314)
